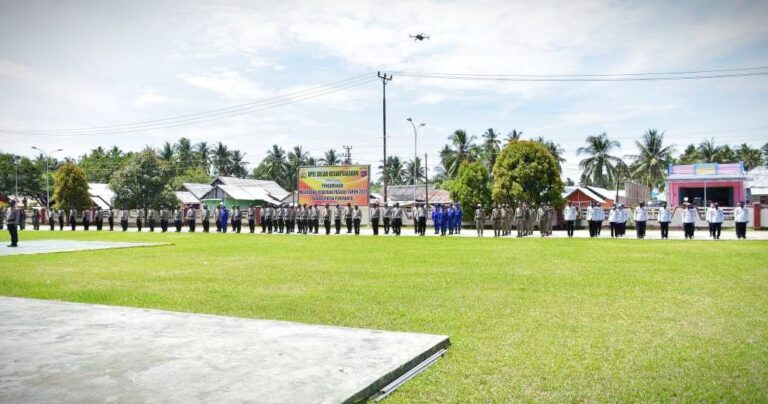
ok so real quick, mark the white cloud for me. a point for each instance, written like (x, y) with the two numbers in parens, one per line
(149, 97)
(227, 83)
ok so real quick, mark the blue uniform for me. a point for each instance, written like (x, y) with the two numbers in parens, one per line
(451, 220)
(436, 219)
(457, 223)
(223, 216)
(443, 219)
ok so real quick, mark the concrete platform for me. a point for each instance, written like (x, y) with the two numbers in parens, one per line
(55, 246)
(70, 352)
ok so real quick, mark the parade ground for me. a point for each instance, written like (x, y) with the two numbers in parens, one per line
(528, 319)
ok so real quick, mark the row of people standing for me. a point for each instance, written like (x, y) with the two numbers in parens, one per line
(284, 218)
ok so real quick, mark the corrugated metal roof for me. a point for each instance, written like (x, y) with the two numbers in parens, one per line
(757, 178)
(186, 197)
(586, 191)
(101, 192)
(198, 190)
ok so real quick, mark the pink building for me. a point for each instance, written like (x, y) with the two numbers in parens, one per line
(701, 183)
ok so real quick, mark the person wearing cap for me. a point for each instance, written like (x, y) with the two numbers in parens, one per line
(570, 214)
(436, 218)
(397, 219)
(178, 215)
(140, 215)
(12, 220)
(459, 217)
(165, 214)
(443, 219)
(51, 218)
(386, 217)
(60, 217)
(337, 215)
(665, 216)
(613, 214)
(641, 218)
(741, 218)
(316, 218)
(479, 220)
(223, 217)
(708, 217)
(689, 220)
(124, 214)
(191, 218)
(717, 218)
(357, 217)
(590, 219)
(2, 217)
(348, 217)
(151, 219)
(251, 218)
(375, 216)
(326, 215)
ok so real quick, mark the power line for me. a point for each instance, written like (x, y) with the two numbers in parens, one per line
(731, 70)
(468, 77)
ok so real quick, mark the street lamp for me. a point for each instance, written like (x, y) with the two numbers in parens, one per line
(415, 174)
(47, 188)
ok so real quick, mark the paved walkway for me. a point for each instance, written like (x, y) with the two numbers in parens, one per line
(75, 353)
(54, 246)
(651, 234)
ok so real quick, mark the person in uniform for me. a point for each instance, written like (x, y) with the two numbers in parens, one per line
(357, 217)
(217, 218)
(141, 214)
(496, 220)
(178, 216)
(741, 218)
(665, 216)
(124, 214)
(451, 216)
(541, 213)
(689, 220)
(151, 219)
(99, 218)
(436, 218)
(397, 219)
(520, 220)
(73, 218)
(708, 218)
(387, 217)
(641, 218)
(623, 217)
(223, 217)
(348, 217)
(238, 219)
(316, 218)
(205, 218)
(191, 218)
(337, 215)
(252, 218)
(444, 220)
(165, 214)
(111, 220)
(599, 218)
(505, 214)
(422, 214)
(590, 219)
(87, 218)
(375, 216)
(717, 221)
(35, 219)
(12, 220)
(60, 217)
(479, 220)
(268, 219)
(459, 217)
(280, 218)
(291, 219)
(570, 214)
(51, 219)
(612, 221)
(327, 219)
(2, 217)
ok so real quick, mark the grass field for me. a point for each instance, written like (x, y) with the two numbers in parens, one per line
(531, 319)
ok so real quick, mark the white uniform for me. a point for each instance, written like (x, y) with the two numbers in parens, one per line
(689, 215)
(641, 215)
(665, 215)
(741, 215)
(569, 213)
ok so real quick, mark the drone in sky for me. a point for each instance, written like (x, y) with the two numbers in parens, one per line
(419, 37)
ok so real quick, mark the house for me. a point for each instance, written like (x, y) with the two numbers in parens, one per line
(404, 194)
(191, 194)
(700, 183)
(582, 197)
(757, 185)
(243, 192)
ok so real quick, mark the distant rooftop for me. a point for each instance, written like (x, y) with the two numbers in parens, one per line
(706, 170)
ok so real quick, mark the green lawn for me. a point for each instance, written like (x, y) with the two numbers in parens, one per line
(531, 319)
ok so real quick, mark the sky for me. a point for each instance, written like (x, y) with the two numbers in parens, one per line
(82, 64)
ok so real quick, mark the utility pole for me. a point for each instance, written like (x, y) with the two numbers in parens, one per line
(384, 80)
(426, 182)
(415, 172)
(348, 154)
(16, 175)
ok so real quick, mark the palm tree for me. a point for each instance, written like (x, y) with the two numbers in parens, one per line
(765, 153)
(296, 158)
(514, 135)
(749, 155)
(394, 171)
(690, 155)
(555, 149)
(330, 158)
(491, 146)
(276, 166)
(412, 166)
(202, 155)
(166, 153)
(183, 150)
(651, 164)
(239, 167)
(115, 153)
(462, 149)
(222, 159)
(708, 151)
(725, 154)
(599, 168)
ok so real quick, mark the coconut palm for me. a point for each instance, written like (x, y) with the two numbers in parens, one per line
(222, 159)
(599, 168)
(276, 165)
(296, 158)
(411, 167)
(726, 154)
(394, 171)
(183, 153)
(330, 158)
(749, 155)
(651, 164)
(166, 152)
(690, 155)
(708, 151)
(462, 148)
(202, 154)
(514, 135)
(491, 146)
(239, 167)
